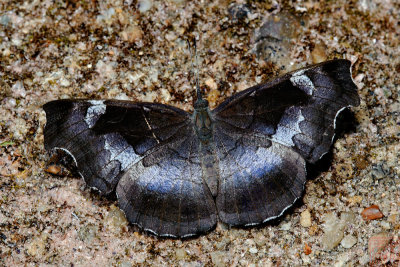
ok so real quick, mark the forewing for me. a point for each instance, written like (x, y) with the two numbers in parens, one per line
(165, 194)
(105, 138)
(297, 110)
(259, 179)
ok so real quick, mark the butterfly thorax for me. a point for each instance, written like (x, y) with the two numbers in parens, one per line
(202, 120)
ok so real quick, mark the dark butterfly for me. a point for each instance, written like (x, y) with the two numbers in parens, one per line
(176, 174)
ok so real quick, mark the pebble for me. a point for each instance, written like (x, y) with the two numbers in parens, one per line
(342, 259)
(307, 249)
(238, 12)
(222, 244)
(260, 239)
(333, 231)
(253, 250)
(125, 264)
(378, 172)
(53, 169)
(313, 230)
(348, 241)
(18, 128)
(106, 69)
(116, 220)
(392, 218)
(4, 20)
(331, 239)
(37, 247)
(377, 243)
(217, 258)
(354, 200)
(3, 218)
(88, 233)
(318, 54)
(64, 82)
(280, 26)
(180, 254)
(132, 34)
(145, 5)
(330, 221)
(286, 226)
(334, 228)
(372, 213)
(366, 6)
(18, 90)
(165, 95)
(347, 218)
(385, 225)
(212, 97)
(305, 218)
(211, 83)
(273, 39)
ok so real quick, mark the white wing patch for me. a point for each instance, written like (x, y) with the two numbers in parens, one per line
(93, 113)
(120, 150)
(302, 81)
(288, 126)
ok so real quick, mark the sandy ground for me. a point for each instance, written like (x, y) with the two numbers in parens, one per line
(136, 50)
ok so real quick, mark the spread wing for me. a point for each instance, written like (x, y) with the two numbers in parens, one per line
(265, 134)
(165, 194)
(147, 152)
(259, 179)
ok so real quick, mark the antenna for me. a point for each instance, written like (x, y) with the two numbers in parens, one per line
(195, 66)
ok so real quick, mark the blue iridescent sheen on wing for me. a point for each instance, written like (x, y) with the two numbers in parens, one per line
(176, 174)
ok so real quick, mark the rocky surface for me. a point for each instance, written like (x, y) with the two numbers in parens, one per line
(137, 50)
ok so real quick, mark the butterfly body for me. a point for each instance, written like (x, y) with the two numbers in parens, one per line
(202, 121)
(177, 174)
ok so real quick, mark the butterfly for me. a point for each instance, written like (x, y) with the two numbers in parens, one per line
(176, 174)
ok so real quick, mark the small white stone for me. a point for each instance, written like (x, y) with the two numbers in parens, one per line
(305, 218)
(18, 128)
(385, 225)
(3, 218)
(180, 254)
(145, 5)
(81, 46)
(217, 258)
(131, 34)
(253, 250)
(331, 239)
(64, 82)
(16, 41)
(348, 241)
(166, 96)
(211, 83)
(18, 89)
(115, 220)
(286, 226)
(106, 69)
(6, 52)
(342, 259)
(134, 76)
(333, 231)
